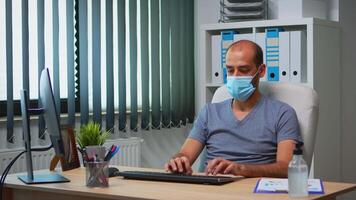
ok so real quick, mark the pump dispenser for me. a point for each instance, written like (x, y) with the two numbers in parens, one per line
(298, 174)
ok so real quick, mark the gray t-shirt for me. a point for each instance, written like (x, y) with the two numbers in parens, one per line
(254, 139)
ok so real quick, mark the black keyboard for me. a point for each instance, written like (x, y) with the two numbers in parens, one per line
(170, 177)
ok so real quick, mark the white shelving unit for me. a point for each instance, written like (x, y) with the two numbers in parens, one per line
(322, 73)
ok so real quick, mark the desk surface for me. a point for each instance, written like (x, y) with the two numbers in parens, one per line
(134, 189)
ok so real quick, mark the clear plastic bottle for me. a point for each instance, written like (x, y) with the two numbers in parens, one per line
(298, 174)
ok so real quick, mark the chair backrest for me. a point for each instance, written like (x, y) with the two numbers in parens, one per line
(303, 99)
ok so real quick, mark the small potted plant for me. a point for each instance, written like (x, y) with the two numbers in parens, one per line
(90, 135)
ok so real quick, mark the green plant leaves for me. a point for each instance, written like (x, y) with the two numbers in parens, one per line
(91, 135)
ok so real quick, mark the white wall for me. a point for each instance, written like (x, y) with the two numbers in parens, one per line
(333, 11)
(347, 17)
(205, 12)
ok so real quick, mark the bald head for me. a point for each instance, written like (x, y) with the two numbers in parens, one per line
(247, 45)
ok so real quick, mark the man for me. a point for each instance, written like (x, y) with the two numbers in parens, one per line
(250, 135)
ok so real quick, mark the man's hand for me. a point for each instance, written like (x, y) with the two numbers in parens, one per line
(179, 164)
(182, 161)
(222, 166)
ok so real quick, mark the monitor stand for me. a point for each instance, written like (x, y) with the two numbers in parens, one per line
(40, 177)
(51, 177)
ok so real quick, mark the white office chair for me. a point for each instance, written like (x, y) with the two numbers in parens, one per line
(303, 99)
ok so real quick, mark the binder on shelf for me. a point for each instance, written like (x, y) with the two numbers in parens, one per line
(243, 36)
(284, 73)
(298, 52)
(227, 38)
(272, 54)
(295, 74)
(284, 67)
(260, 39)
(216, 67)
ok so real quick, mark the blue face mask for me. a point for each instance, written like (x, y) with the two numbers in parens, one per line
(240, 87)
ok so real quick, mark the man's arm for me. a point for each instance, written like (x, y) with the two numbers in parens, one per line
(278, 169)
(183, 160)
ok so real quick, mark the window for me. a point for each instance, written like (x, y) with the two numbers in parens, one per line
(33, 58)
(105, 58)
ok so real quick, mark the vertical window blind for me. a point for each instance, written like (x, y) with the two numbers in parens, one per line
(126, 64)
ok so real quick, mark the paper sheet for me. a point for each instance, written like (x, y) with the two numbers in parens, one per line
(276, 185)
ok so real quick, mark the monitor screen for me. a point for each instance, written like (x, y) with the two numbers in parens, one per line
(50, 113)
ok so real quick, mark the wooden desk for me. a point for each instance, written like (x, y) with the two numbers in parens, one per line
(134, 189)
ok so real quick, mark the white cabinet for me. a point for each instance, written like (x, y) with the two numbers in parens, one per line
(319, 69)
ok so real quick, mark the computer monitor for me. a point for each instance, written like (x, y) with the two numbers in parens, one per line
(53, 128)
(50, 113)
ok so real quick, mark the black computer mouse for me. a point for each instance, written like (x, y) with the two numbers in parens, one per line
(113, 171)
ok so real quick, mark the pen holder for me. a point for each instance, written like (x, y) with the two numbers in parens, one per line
(97, 174)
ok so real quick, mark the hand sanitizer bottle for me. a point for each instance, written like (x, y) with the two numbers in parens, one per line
(298, 174)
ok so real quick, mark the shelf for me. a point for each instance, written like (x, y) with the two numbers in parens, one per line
(268, 23)
(213, 85)
(321, 63)
(217, 85)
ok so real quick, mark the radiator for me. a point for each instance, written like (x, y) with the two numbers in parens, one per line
(129, 155)
(40, 160)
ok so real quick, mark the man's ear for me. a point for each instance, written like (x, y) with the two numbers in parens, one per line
(262, 71)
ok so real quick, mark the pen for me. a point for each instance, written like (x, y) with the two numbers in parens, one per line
(111, 153)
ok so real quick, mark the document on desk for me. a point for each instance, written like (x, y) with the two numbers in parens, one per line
(278, 185)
